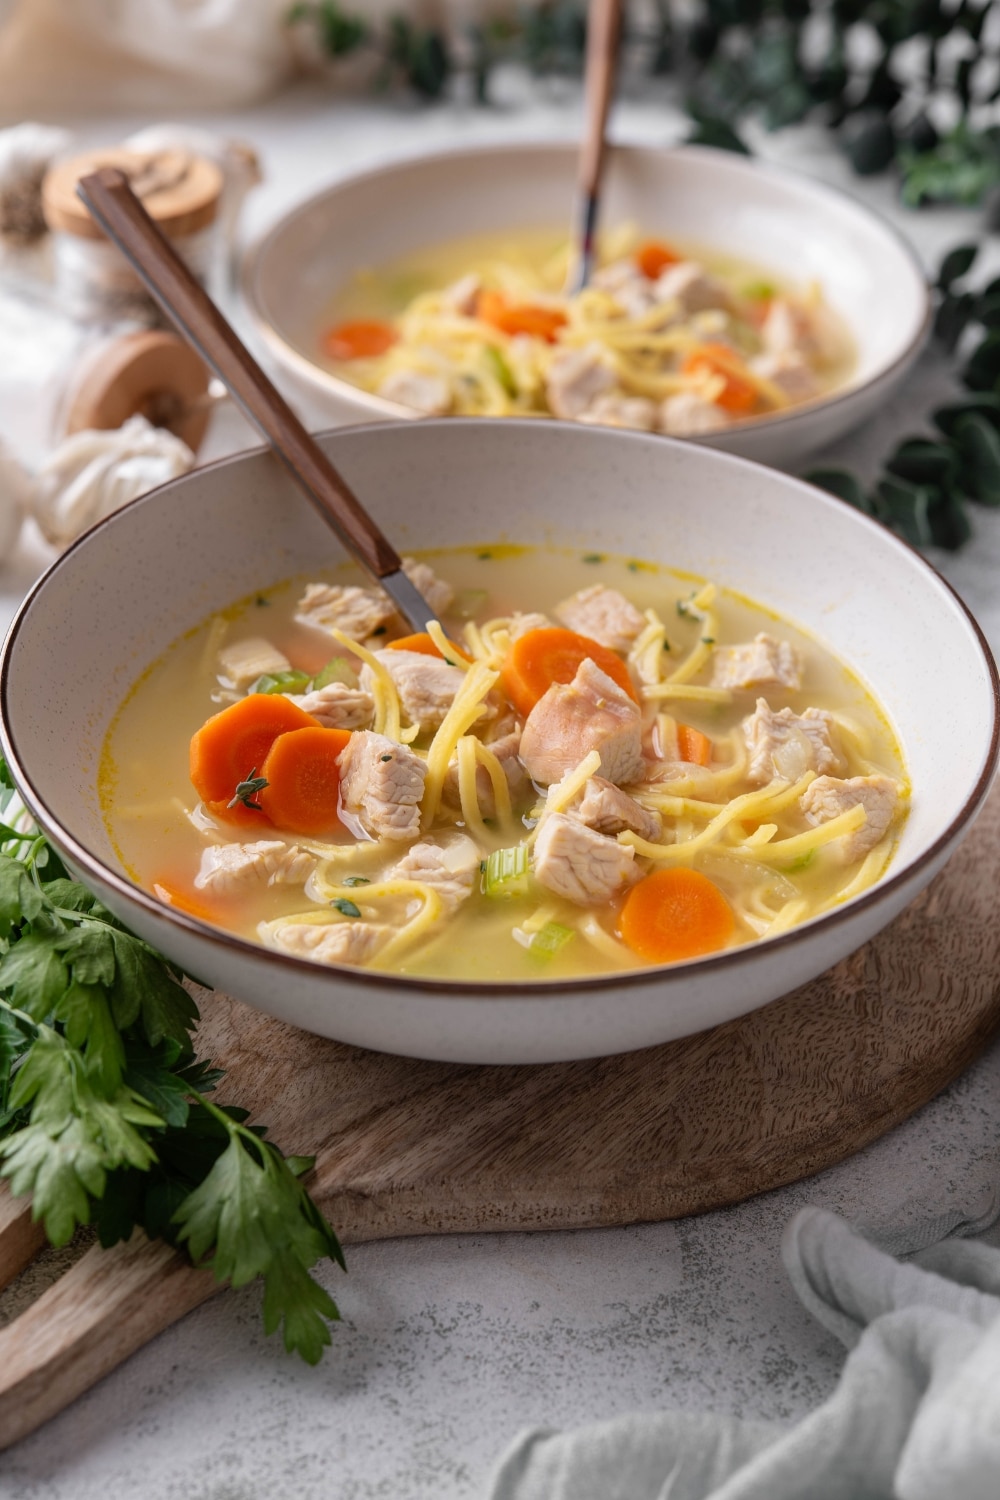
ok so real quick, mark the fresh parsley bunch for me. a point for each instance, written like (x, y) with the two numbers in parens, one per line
(104, 1109)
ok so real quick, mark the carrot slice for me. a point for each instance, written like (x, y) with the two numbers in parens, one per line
(738, 394)
(362, 339)
(675, 914)
(539, 658)
(233, 743)
(171, 893)
(653, 256)
(693, 746)
(303, 780)
(424, 646)
(520, 317)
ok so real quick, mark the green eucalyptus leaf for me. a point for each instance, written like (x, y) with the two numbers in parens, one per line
(949, 522)
(982, 371)
(983, 404)
(870, 144)
(923, 462)
(956, 264)
(842, 484)
(905, 508)
(978, 444)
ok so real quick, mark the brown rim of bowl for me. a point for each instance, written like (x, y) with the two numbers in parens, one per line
(322, 378)
(445, 988)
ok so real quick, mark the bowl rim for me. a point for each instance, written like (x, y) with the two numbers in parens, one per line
(444, 987)
(381, 407)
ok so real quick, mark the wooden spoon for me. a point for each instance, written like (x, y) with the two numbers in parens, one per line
(604, 19)
(120, 214)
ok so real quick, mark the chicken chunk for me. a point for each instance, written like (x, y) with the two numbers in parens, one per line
(349, 942)
(338, 705)
(505, 749)
(382, 783)
(576, 377)
(603, 615)
(614, 409)
(606, 809)
(827, 797)
(687, 414)
(451, 868)
(426, 685)
(230, 868)
(692, 288)
(793, 376)
(435, 590)
(623, 280)
(571, 719)
(761, 663)
(242, 662)
(360, 612)
(463, 295)
(429, 394)
(786, 745)
(356, 611)
(572, 860)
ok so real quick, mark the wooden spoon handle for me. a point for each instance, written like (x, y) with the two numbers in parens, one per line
(121, 215)
(603, 27)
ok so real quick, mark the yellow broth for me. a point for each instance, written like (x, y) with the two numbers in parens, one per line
(149, 803)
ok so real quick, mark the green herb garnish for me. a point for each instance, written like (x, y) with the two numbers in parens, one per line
(247, 790)
(592, 557)
(281, 682)
(345, 907)
(104, 1117)
(355, 880)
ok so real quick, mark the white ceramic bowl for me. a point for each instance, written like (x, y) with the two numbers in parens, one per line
(131, 586)
(788, 223)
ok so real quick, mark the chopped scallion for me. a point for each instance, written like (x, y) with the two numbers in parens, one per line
(353, 880)
(281, 682)
(507, 872)
(345, 907)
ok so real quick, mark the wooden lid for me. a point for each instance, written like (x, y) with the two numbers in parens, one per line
(178, 189)
(153, 374)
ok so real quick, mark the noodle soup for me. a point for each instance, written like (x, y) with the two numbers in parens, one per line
(667, 337)
(593, 764)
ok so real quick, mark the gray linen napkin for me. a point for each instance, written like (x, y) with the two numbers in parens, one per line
(916, 1415)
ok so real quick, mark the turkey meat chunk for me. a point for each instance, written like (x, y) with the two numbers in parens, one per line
(362, 612)
(430, 394)
(785, 745)
(827, 797)
(426, 684)
(576, 377)
(691, 287)
(574, 861)
(761, 663)
(230, 868)
(603, 615)
(451, 868)
(348, 942)
(381, 784)
(606, 809)
(338, 705)
(571, 719)
(686, 413)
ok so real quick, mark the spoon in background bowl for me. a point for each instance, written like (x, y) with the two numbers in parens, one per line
(604, 26)
(118, 211)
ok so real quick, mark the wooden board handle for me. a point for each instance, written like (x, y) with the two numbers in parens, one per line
(121, 215)
(106, 1306)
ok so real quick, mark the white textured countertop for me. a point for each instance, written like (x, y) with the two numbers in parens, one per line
(450, 1345)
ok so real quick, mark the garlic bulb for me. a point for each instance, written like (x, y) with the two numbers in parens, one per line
(15, 487)
(92, 474)
(26, 152)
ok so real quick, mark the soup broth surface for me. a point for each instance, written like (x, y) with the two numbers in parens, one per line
(161, 829)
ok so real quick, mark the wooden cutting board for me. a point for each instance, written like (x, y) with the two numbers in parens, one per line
(408, 1147)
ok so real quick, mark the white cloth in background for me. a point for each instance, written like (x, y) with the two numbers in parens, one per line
(147, 56)
(916, 1415)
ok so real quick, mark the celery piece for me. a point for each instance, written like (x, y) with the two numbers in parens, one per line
(281, 682)
(467, 604)
(507, 872)
(338, 669)
(549, 940)
(501, 369)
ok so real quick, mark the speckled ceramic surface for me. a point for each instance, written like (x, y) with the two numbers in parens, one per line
(788, 225)
(130, 587)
